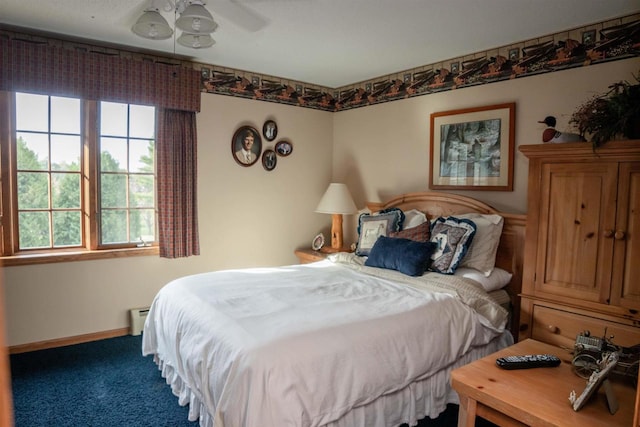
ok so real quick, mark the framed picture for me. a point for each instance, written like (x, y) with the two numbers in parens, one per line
(318, 242)
(407, 78)
(597, 379)
(455, 67)
(514, 54)
(269, 160)
(270, 130)
(246, 146)
(472, 148)
(589, 37)
(284, 148)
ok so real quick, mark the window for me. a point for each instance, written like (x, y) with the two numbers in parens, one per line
(127, 182)
(48, 165)
(81, 176)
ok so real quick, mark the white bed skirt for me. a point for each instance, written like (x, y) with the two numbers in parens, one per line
(423, 398)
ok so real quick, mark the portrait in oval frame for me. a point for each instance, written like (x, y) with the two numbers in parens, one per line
(269, 160)
(246, 146)
(270, 130)
(284, 148)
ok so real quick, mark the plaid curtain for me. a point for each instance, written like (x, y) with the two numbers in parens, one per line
(177, 196)
(62, 71)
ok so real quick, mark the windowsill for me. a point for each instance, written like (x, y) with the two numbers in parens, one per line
(76, 255)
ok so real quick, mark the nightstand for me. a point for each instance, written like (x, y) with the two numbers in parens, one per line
(534, 397)
(308, 255)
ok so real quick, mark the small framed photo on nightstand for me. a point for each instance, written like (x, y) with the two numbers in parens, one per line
(318, 242)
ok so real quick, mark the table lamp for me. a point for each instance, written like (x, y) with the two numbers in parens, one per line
(336, 201)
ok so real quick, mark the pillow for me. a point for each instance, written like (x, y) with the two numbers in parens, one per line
(482, 252)
(413, 218)
(453, 237)
(421, 233)
(498, 278)
(406, 256)
(370, 226)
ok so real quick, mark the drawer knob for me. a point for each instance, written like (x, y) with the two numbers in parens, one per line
(608, 233)
(619, 235)
(553, 329)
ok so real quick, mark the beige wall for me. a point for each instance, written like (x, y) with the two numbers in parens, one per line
(250, 217)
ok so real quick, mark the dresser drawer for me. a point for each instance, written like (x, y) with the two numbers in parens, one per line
(560, 328)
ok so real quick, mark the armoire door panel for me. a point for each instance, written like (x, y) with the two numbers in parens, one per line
(575, 254)
(626, 270)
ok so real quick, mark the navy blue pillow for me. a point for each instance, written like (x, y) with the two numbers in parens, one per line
(406, 256)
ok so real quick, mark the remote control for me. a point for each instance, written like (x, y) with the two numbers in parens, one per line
(528, 361)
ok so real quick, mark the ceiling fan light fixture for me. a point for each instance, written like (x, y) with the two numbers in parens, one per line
(152, 25)
(196, 41)
(196, 19)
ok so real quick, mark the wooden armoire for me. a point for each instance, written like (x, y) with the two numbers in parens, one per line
(582, 251)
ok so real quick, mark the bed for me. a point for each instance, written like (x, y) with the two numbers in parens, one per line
(339, 342)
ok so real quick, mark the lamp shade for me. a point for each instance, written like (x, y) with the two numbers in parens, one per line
(196, 19)
(337, 200)
(196, 41)
(152, 25)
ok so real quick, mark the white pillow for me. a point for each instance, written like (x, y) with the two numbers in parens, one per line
(482, 252)
(413, 218)
(498, 278)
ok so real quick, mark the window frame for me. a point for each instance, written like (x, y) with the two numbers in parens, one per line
(90, 249)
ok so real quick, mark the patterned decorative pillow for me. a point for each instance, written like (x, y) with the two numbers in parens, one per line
(406, 256)
(453, 237)
(420, 233)
(371, 226)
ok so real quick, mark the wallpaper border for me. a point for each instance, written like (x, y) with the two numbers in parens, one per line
(610, 40)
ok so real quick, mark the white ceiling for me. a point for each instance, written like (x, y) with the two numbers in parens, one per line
(331, 43)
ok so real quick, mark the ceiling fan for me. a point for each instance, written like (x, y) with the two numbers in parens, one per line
(195, 21)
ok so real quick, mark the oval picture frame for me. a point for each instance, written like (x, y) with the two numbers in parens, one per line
(237, 146)
(318, 242)
(270, 130)
(284, 148)
(269, 160)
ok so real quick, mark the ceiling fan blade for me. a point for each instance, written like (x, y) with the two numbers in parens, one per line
(239, 15)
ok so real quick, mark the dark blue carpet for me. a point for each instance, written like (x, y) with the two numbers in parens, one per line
(109, 383)
(102, 383)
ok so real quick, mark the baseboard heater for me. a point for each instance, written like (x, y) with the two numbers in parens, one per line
(138, 316)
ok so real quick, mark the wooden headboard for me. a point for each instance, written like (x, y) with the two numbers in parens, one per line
(510, 251)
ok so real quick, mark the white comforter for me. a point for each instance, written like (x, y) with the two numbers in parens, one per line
(305, 344)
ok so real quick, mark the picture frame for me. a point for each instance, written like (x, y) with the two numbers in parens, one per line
(269, 160)
(284, 148)
(588, 37)
(598, 378)
(455, 67)
(270, 130)
(514, 54)
(246, 146)
(472, 148)
(318, 242)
